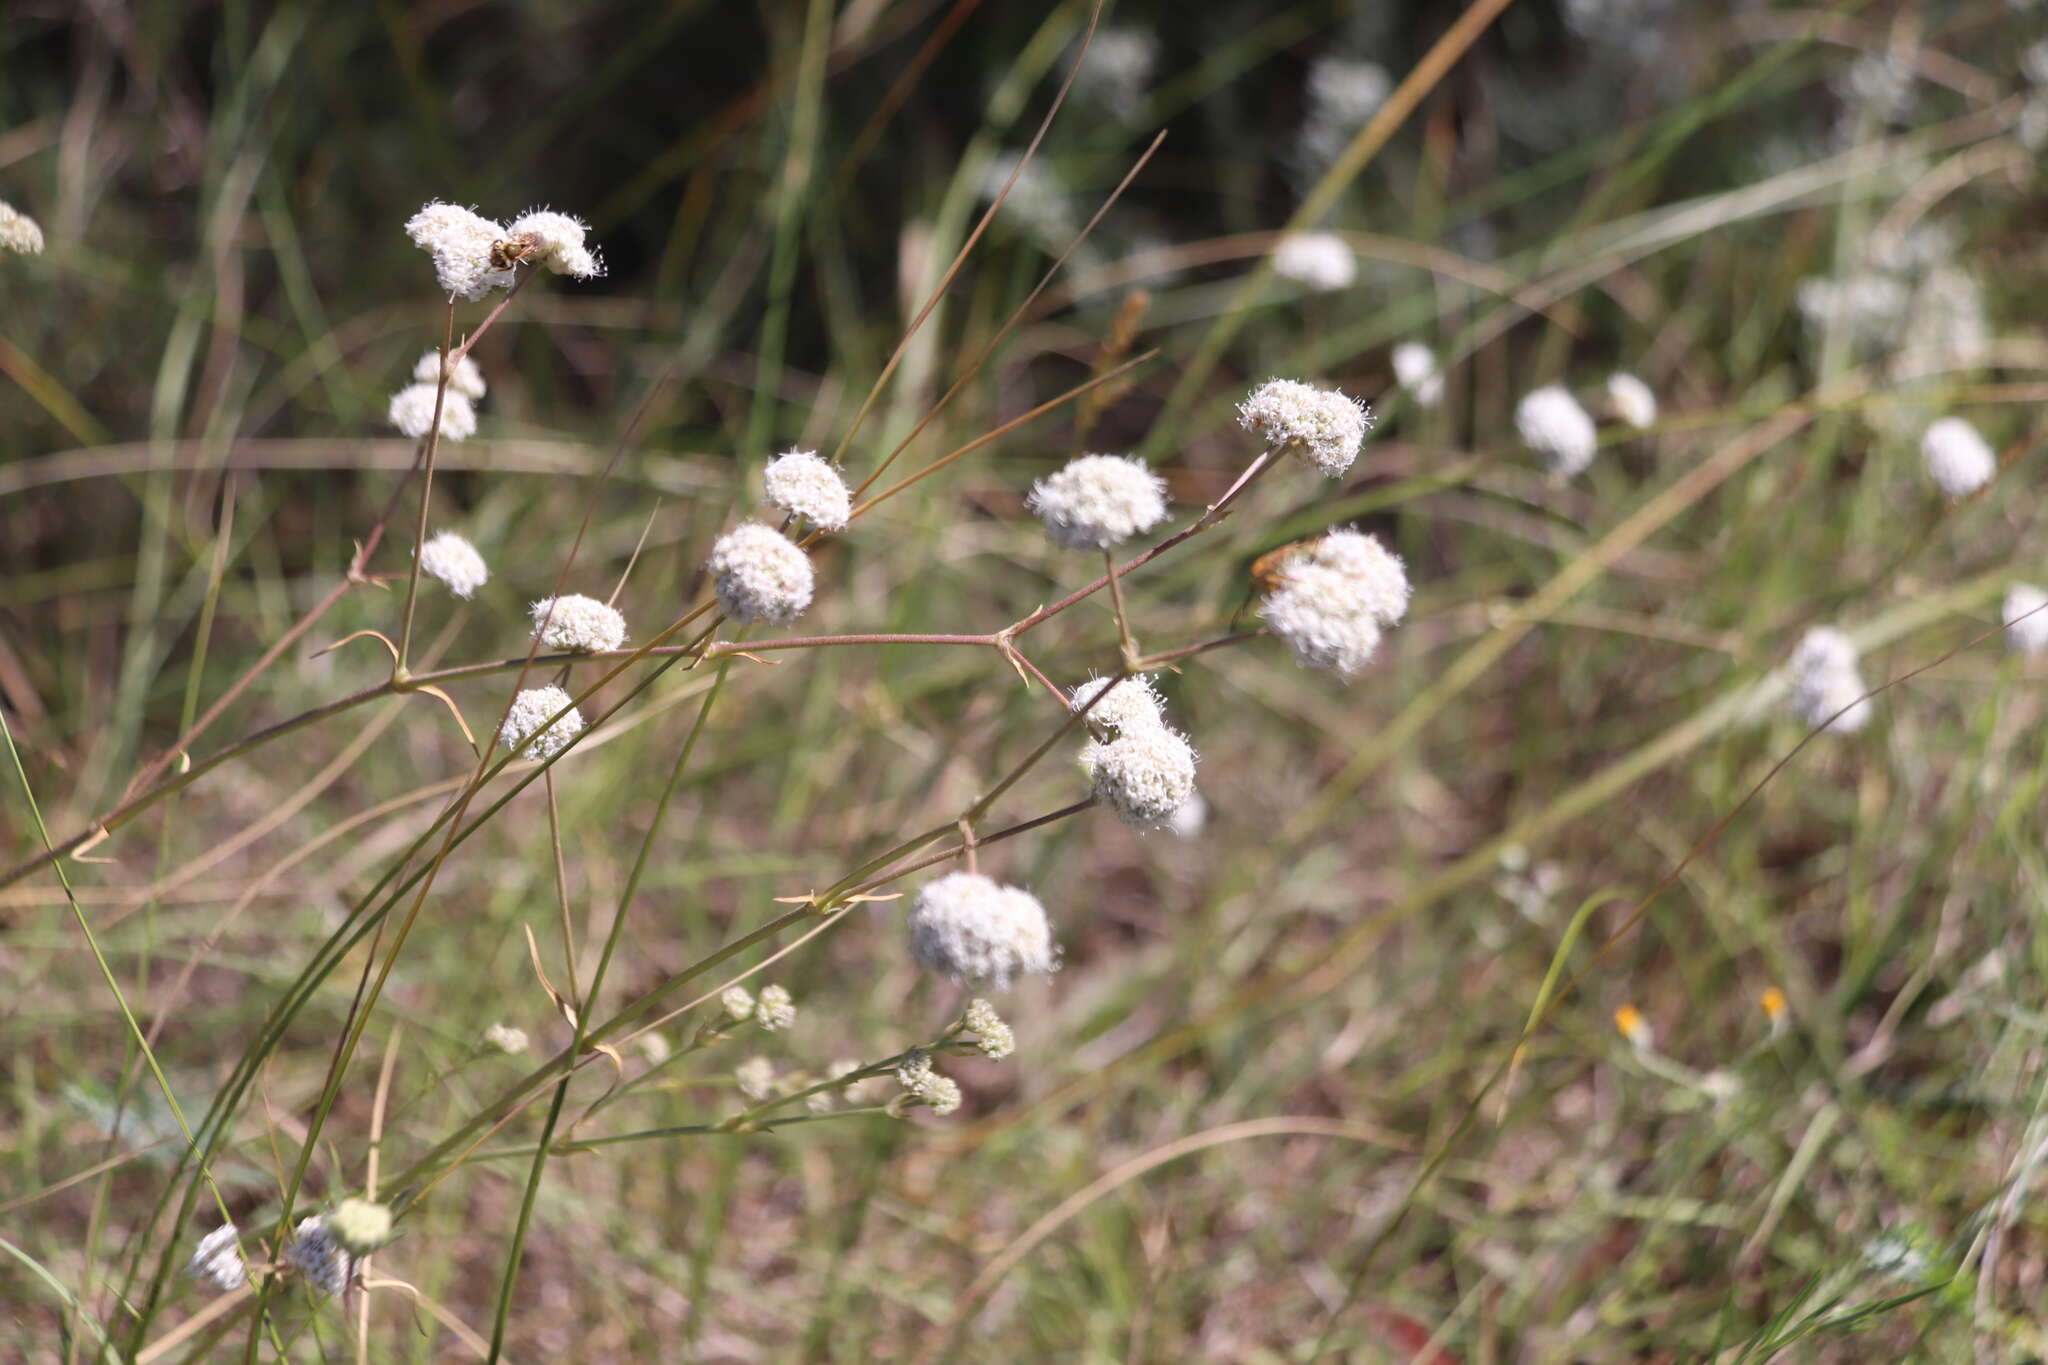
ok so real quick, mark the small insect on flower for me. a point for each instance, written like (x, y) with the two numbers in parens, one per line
(318, 1258)
(1331, 598)
(218, 1259)
(462, 244)
(1143, 775)
(530, 710)
(774, 1011)
(579, 624)
(1957, 458)
(971, 929)
(455, 562)
(19, 232)
(1632, 400)
(1415, 371)
(2025, 614)
(801, 483)
(554, 240)
(1321, 425)
(759, 576)
(1552, 424)
(1099, 500)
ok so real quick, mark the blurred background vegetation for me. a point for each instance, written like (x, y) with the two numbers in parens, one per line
(1270, 1076)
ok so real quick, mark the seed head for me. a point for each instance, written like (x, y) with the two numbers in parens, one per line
(1632, 400)
(453, 560)
(1098, 501)
(774, 1011)
(460, 243)
(1143, 775)
(1957, 457)
(971, 929)
(412, 412)
(808, 486)
(1415, 371)
(465, 379)
(737, 1003)
(756, 1078)
(995, 1039)
(1824, 679)
(1321, 261)
(19, 232)
(1554, 426)
(218, 1258)
(561, 243)
(759, 576)
(315, 1254)
(2026, 618)
(1130, 705)
(359, 1226)
(522, 732)
(506, 1039)
(1322, 425)
(579, 624)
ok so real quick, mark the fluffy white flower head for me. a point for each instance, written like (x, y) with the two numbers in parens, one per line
(466, 378)
(530, 710)
(774, 1011)
(359, 1226)
(1632, 399)
(756, 1078)
(1099, 500)
(19, 232)
(412, 412)
(1825, 679)
(218, 1259)
(1377, 574)
(315, 1254)
(1322, 261)
(927, 1086)
(1130, 705)
(973, 930)
(737, 1002)
(1956, 457)
(460, 243)
(808, 486)
(577, 623)
(1554, 426)
(455, 562)
(2026, 618)
(1143, 775)
(1322, 424)
(1333, 597)
(1415, 371)
(506, 1039)
(559, 240)
(759, 576)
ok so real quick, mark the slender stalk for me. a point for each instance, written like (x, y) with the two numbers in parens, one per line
(419, 540)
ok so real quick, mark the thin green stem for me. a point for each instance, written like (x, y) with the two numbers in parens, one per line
(419, 540)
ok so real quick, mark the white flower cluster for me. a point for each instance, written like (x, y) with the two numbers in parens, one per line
(2025, 615)
(1342, 94)
(506, 1039)
(1323, 425)
(1633, 401)
(18, 231)
(1320, 261)
(927, 1086)
(755, 1078)
(412, 412)
(1131, 705)
(1334, 597)
(1909, 298)
(971, 929)
(801, 483)
(760, 576)
(359, 1226)
(578, 624)
(1957, 458)
(1553, 425)
(1099, 500)
(317, 1256)
(1144, 775)
(1415, 371)
(465, 377)
(559, 243)
(521, 732)
(218, 1258)
(455, 562)
(738, 1004)
(993, 1036)
(774, 1011)
(1825, 679)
